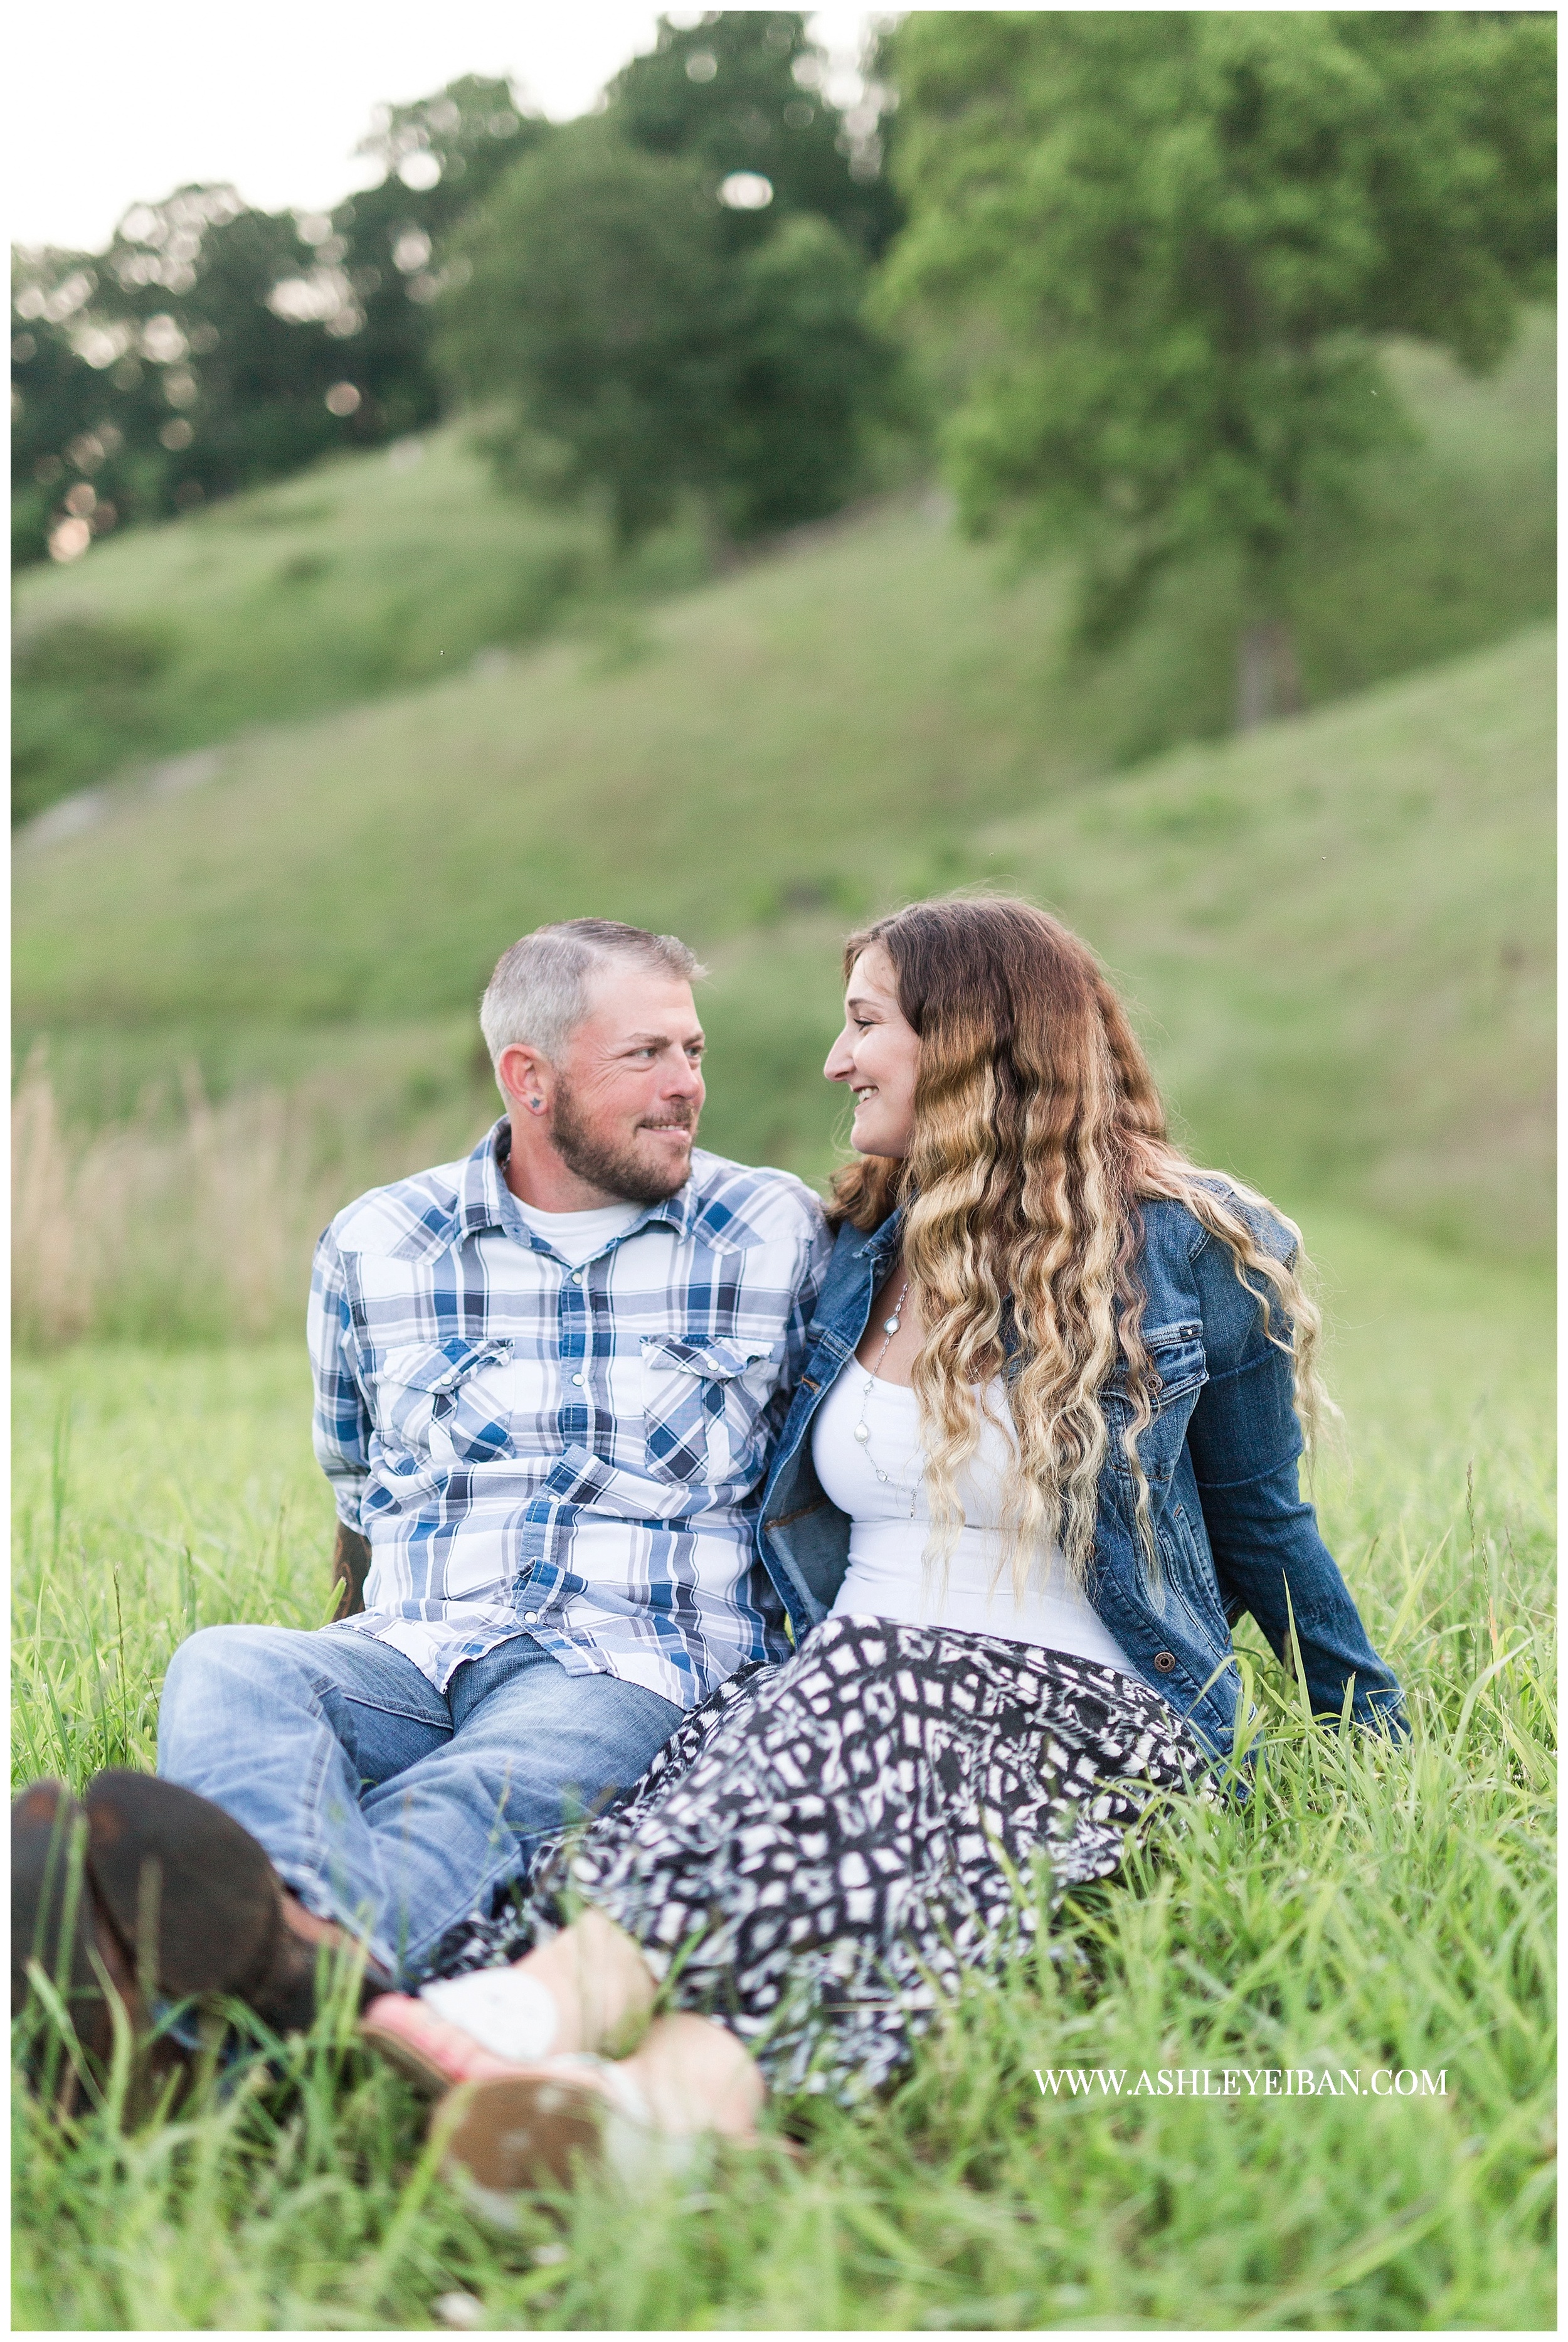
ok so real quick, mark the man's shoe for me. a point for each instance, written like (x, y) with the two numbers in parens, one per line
(177, 1873)
(57, 1921)
(184, 1883)
(172, 1893)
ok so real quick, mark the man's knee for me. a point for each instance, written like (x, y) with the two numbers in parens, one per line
(210, 1666)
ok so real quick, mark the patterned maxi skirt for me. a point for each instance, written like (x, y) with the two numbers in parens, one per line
(825, 1846)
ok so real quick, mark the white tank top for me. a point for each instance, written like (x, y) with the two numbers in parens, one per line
(877, 1482)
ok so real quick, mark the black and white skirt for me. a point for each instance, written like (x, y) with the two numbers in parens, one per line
(825, 1848)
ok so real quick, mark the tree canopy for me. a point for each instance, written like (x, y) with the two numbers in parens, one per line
(213, 346)
(631, 348)
(1156, 252)
(745, 91)
(670, 297)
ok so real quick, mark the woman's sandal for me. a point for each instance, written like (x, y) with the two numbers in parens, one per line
(539, 2125)
(429, 2050)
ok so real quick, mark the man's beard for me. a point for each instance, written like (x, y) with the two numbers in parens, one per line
(616, 1171)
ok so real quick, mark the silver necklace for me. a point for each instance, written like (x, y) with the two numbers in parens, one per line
(862, 1429)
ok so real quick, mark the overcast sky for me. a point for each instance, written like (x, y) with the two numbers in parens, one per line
(113, 104)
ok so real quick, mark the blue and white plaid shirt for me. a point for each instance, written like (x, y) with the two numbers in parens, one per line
(572, 1452)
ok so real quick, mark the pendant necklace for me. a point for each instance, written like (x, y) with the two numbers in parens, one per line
(862, 1429)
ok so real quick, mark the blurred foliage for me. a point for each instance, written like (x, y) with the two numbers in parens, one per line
(595, 301)
(745, 90)
(1156, 252)
(379, 572)
(440, 157)
(637, 352)
(214, 347)
(670, 298)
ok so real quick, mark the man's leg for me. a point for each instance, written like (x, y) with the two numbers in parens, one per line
(533, 1747)
(283, 1728)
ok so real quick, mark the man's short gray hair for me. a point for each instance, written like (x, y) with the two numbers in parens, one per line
(539, 992)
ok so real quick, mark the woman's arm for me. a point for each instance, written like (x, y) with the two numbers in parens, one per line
(1245, 1444)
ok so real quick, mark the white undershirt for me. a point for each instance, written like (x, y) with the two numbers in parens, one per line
(890, 1521)
(578, 1236)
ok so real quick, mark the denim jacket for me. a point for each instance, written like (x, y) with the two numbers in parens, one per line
(1220, 1455)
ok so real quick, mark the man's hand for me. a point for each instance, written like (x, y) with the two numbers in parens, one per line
(350, 1569)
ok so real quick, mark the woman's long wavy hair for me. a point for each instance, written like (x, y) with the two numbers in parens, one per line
(1038, 1137)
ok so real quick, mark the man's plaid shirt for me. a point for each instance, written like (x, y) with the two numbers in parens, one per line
(575, 1453)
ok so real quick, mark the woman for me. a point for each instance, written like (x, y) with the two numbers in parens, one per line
(1044, 1452)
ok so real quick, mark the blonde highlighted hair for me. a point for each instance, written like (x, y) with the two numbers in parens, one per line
(1039, 1136)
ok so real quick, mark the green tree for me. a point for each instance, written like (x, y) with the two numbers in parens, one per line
(198, 353)
(630, 346)
(192, 358)
(594, 313)
(439, 157)
(744, 90)
(804, 374)
(1156, 254)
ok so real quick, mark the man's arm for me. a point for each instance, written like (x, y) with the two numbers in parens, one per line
(341, 1421)
(350, 1569)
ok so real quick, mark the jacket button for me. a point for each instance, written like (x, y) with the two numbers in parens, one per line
(1164, 1661)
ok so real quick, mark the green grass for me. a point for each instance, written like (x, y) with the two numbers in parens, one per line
(1369, 1909)
(369, 575)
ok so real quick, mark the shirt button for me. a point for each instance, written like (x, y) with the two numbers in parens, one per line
(1164, 1661)
(578, 1380)
(531, 1617)
(576, 1277)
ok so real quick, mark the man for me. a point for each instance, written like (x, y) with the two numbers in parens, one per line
(547, 1381)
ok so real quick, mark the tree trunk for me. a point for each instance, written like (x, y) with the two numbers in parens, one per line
(1268, 680)
(717, 542)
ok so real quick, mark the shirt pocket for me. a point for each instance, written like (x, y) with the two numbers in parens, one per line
(705, 1406)
(449, 1401)
(1177, 1373)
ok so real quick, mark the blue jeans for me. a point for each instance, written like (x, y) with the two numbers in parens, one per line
(385, 1803)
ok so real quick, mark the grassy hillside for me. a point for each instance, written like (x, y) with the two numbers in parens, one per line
(377, 572)
(362, 577)
(1339, 929)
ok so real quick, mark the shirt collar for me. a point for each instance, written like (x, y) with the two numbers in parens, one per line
(485, 1201)
(882, 1239)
